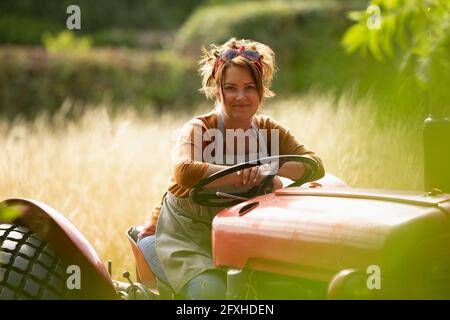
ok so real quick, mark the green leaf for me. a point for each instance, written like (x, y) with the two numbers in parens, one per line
(355, 38)
(374, 44)
(388, 30)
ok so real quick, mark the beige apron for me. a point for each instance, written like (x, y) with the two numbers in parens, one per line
(183, 233)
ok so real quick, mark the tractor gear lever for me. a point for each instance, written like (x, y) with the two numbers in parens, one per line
(230, 196)
(126, 275)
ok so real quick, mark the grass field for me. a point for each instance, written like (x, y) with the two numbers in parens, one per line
(104, 173)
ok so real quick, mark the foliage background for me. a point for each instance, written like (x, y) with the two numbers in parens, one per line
(145, 53)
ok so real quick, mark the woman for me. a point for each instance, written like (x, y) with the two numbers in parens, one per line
(238, 75)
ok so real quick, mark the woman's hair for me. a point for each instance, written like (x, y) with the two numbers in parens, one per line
(212, 72)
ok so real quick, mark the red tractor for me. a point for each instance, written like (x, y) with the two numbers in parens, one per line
(321, 240)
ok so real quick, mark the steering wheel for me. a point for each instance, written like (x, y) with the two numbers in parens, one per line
(219, 200)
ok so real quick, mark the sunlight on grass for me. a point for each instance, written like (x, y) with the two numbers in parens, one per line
(353, 145)
(105, 173)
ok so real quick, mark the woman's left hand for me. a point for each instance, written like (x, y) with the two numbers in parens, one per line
(149, 229)
(254, 175)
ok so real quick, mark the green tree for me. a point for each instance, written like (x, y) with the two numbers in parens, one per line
(417, 31)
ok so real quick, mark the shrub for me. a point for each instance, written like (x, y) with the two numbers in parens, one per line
(103, 14)
(33, 80)
(20, 29)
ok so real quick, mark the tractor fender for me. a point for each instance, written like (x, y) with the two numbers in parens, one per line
(69, 244)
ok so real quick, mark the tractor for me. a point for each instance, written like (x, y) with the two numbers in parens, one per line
(314, 240)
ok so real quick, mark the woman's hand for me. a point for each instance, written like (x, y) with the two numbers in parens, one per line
(277, 183)
(253, 176)
(247, 177)
(148, 230)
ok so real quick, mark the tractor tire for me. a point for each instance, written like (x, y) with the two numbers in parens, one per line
(29, 269)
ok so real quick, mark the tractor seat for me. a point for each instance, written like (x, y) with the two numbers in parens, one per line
(134, 231)
(143, 271)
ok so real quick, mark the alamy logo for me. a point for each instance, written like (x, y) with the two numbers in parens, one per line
(241, 146)
(374, 20)
(74, 279)
(374, 280)
(74, 20)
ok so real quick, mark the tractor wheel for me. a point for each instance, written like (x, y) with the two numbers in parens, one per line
(29, 269)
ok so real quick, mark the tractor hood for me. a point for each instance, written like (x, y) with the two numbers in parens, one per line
(314, 233)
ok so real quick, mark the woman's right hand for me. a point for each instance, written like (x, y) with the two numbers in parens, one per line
(148, 230)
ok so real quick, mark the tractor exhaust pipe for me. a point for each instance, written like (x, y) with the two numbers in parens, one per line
(436, 143)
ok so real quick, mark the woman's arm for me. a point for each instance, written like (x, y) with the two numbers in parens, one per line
(288, 144)
(229, 179)
(292, 170)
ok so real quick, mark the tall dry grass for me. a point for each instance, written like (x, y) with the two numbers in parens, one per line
(104, 173)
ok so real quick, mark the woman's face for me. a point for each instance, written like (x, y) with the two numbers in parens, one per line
(240, 95)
